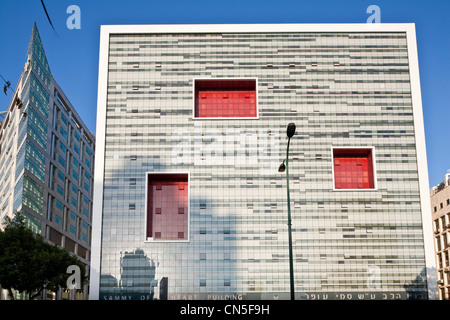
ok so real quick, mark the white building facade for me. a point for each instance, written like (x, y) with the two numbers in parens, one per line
(191, 129)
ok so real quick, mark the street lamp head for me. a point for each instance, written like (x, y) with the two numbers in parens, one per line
(282, 167)
(290, 130)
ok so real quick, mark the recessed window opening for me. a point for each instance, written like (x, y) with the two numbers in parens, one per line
(167, 206)
(353, 168)
(225, 98)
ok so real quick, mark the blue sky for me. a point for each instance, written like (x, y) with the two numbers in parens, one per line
(73, 54)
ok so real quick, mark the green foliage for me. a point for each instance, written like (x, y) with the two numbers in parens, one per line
(28, 263)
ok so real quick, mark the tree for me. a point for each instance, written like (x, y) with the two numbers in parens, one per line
(28, 263)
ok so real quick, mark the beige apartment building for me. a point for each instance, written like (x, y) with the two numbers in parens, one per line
(440, 208)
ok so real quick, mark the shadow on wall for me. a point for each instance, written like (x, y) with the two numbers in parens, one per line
(415, 288)
(130, 281)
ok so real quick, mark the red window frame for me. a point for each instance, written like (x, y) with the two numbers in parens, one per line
(353, 169)
(225, 98)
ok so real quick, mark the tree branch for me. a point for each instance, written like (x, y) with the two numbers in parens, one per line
(32, 296)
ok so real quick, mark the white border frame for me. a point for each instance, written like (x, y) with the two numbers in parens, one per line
(422, 166)
(375, 184)
(408, 28)
(152, 240)
(225, 118)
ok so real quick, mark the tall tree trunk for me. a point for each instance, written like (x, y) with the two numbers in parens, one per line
(11, 294)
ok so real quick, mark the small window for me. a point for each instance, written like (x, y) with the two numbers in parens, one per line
(225, 98)
(167, 206)
(353, 168)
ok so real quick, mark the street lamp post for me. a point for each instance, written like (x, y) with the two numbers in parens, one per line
(290, 132)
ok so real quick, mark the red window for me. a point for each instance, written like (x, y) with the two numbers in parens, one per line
(167, 205)
(353, 169)
(222, 98)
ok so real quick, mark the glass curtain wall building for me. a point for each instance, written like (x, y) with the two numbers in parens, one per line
(47, 158)
(191, 129)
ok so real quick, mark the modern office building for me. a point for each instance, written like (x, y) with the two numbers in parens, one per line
(47, 158)
(440, 208)
(191, 130)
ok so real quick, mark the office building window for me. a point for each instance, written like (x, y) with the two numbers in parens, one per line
(225, 98)
(167, 206)
(353, 168)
